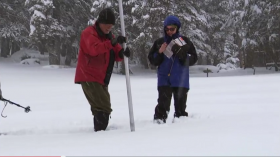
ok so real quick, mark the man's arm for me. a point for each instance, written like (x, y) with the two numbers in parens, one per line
(192, 55)
(188, 52)
(154, 56)
(93, 45)
(118, 49)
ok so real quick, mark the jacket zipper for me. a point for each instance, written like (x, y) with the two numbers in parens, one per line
(173, 63)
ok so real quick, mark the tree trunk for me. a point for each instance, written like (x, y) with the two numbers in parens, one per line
(244, 58)
(272, 54)
(275, 59)
(238, 42)
(42, 48)
(144, 57)
(208, 59)
(54, 52)
(68, 55)
(240, 57)
(121, 68)
(200, 59)
(249, 58)
(15, 47)
(216, 60)
(5, 47)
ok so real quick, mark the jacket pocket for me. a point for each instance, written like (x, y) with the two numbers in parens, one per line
(98, 61)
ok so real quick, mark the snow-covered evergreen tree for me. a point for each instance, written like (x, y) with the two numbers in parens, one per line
(232, 32)
(55, 26)
(45, 29)
(221, 47)
(193, 19)
(12, 26)
(148, 17)
(233, 27)
(271, 32)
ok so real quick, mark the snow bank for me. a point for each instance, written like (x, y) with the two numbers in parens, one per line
(24, 54)
(30, 61)
(55, 66)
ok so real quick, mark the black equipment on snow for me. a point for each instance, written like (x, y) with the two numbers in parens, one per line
(26, 109)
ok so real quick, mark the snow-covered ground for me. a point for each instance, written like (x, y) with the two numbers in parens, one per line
(236, 115)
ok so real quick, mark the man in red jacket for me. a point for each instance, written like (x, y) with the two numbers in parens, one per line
(98, 52)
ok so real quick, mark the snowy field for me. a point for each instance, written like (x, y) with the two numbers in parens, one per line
(236, 115)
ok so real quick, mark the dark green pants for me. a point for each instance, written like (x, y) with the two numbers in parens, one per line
(97, 96)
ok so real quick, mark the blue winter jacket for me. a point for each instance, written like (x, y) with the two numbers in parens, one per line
(172, 71)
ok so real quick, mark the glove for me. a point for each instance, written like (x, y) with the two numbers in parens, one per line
(181, 51)
(186, 48)
(175, 48)
(120, 39)
(125, 52)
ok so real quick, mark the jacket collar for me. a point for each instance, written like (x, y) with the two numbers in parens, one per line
(100, 33)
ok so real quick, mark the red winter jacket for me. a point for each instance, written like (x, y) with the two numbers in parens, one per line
(96, 57)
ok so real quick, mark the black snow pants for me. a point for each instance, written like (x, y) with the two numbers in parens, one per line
(164, 100)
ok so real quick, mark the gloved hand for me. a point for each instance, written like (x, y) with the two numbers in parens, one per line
(125, 52)
(186, 48)
(175, 48)
(120, 39)
(180, 51)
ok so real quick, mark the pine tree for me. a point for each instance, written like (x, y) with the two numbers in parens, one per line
(147, 26)
(73, 15)
(233, 27)
(56, 26)
(269, 31)
(13, 26)
(40, 22)
(220, 41)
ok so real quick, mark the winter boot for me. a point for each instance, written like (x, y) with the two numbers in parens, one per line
(186, 114)
(101, 120)
(160, 115)
(160, 119)
(180, 114)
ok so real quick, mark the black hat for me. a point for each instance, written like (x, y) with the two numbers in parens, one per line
(106, 16)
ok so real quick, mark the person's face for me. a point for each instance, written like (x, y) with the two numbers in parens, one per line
(106, 28)
(170, 30)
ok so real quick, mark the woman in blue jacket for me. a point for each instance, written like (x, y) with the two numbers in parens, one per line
(173, 72)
